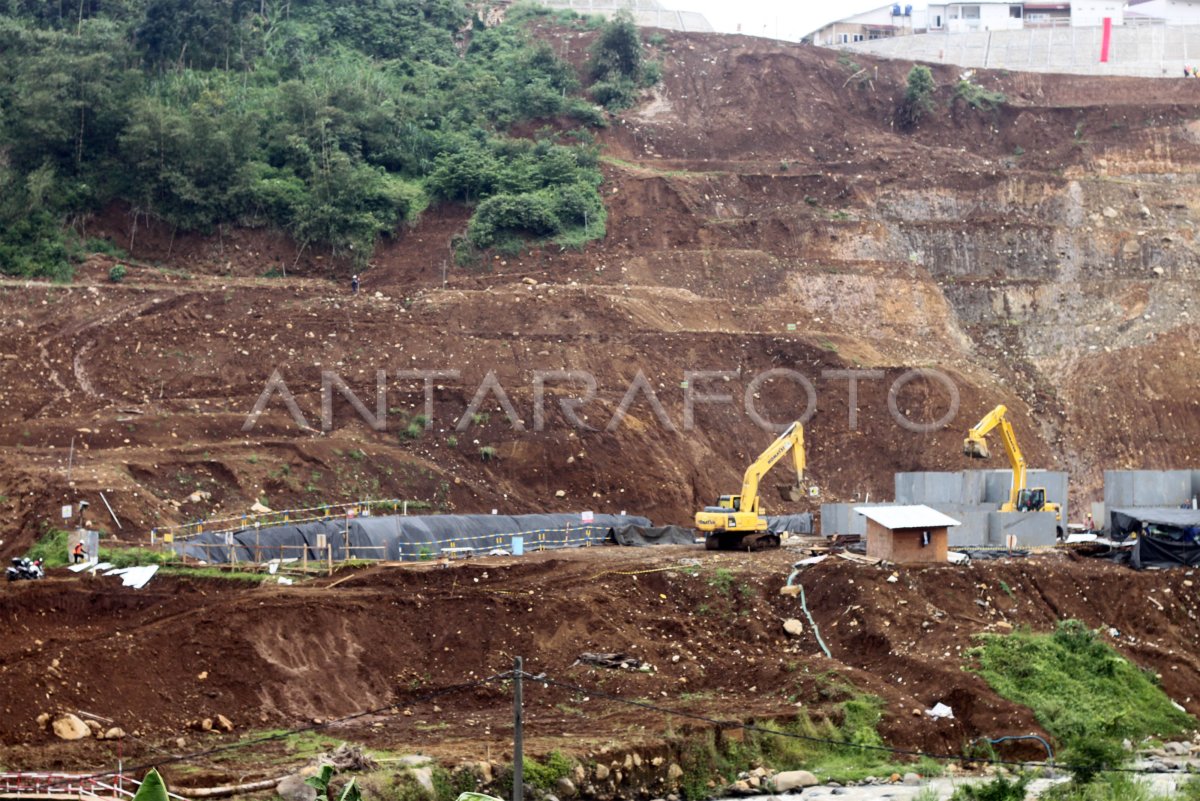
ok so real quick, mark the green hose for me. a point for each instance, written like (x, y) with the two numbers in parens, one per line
(808, 614)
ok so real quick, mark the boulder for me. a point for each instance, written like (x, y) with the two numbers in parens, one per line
(911, 779)
(70, 727)
(96, 728)
(601, 772)
(225, 723)
(674, 773)
(115, 733)
(43, 719)
(414, 761)
(790, 780)
(793, 627)
(293, 788)
(565, 788)
(424, 777)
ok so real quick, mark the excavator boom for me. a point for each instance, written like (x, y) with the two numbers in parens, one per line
(976, 446)
(737, 520)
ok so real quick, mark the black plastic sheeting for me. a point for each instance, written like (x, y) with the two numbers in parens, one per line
(793, 524)
(1161, 553)
(1134, 521)
(404, 537)
(653, 535)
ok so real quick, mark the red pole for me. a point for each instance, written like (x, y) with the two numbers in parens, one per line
(1106, 38)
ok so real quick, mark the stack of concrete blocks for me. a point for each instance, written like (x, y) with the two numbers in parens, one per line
(1130, 489)
(972, 497)
(975, 497)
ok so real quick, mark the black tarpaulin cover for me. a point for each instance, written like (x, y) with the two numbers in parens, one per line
(793, 524)
(1173, 541)
(1133, 521)
(653, 535)
(1151, 551)
(403, 537)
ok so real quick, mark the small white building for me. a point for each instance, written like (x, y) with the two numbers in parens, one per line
(976, 15)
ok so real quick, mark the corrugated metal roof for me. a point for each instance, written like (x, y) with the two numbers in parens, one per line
(895, 517)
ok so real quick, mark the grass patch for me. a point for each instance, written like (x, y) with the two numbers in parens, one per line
(51, 548)
(1078, 686)
(1120, 787)
(830, 750)
(215, 573)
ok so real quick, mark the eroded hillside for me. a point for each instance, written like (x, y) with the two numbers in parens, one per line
(764, 213)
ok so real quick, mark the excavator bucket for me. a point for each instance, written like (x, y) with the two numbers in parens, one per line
(791, 492)
(976, 448)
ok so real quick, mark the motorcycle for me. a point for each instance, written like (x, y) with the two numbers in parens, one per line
(25, 569)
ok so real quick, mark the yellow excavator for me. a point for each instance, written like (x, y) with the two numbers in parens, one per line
(737, 522)
(1021, 498)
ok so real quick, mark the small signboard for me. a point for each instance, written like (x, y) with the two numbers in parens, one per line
(67, 512)
(1011, 540)
(588, 517)
(791, 326)
(320, 542)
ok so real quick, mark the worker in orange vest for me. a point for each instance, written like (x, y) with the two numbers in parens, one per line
(78, 552)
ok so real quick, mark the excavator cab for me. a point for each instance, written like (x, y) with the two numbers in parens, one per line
(1032, 499)
(726, 503)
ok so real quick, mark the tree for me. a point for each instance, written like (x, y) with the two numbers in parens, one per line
(918, 95)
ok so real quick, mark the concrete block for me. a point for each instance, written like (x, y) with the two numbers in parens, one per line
(1133, 488)
(840, 519)
(1030, 528)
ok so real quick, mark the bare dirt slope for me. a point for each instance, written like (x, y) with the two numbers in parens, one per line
(159, 659)
(764, 212)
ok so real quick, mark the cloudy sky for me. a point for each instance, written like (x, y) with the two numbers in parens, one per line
(787, 19)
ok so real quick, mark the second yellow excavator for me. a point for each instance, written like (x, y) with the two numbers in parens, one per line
(1021, 498)
(737, 520)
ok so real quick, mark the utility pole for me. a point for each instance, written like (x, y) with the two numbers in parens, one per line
(518, 734)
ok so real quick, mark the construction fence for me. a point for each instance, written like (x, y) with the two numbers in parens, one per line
(408, 537)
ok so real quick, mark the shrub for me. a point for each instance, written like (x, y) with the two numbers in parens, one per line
(1001, 788)
(117, 273)
(977, 97)
(918, 96)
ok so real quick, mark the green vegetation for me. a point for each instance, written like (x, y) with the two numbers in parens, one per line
(1084, 693)
(334, 122)
(1078, 686)
(51, 548)
(215, 573)
(117, 273)
(1119, 787)
(977, 97)
(1001, 788)
(722, 581)
(828, 749)
(918, 96)
(543, 775)
(152, 788)
(320, 783)
(616, 67)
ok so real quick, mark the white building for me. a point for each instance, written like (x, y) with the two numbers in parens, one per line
(884, 22)
(977, 15)
(1089, 13)
(1179, 12)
